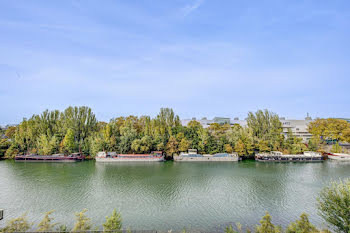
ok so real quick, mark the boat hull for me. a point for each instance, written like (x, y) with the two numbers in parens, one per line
(339, 157)
(205, 159)
(120, 160)
(48, 160)
(289, 161)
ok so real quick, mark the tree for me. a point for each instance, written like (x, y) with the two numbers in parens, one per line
(264, 146)
(293, 144)
(265, 126)
(171, 146)
(19, 224)
(266, 225)
(96, 143)
(83, 223)
(128, 135)
(313, 144)
(228, 148)
(184, 145)
(45, 225)
(68, 143)
(136, 145)
(10, 132)
(4, 146)
(204, 140)
(334, 205)
(336, 148)
(81, 120)
(113, 222)
(240, 148)
(192, 133)
(142, 145)
(346, 135)
(302, 225)
(44, 146)
(330, 128)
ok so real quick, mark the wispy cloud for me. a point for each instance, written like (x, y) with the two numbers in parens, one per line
(188, 9)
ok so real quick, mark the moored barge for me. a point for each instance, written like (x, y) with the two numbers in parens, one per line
(192, 155)
(339, 156)
(276, 156)
(155, 156)
(59, 158)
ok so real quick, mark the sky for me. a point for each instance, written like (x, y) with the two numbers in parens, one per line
(203, 58)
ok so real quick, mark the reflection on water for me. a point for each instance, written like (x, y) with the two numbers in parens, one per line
(167, 195)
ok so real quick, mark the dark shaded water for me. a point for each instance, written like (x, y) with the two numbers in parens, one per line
(167, 195)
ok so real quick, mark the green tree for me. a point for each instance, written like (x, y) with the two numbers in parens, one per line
(172, 146)
(136, 145)
(68, 144)
(113, 222)
(294, 144)
(302, 225)
(346, 135)
(334, 205)
(336, 148)
(81, 120)
(96, 144)
(265, 125)
(330, 128)
(44, 146)
(128, 135)
(204, 141)
(193, 131)
(46, 224)
(10, 132)
(240, 148)
(83, 223)
(184, 145)
(266, 225)
(228, 148)
(313, 144)
(4, 146)
(264, 146)
(19, 224)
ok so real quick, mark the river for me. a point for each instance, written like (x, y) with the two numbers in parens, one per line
(170, 195)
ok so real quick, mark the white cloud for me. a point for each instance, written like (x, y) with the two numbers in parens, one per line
(188, 9)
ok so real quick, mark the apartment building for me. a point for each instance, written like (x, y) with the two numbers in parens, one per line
(298, 127)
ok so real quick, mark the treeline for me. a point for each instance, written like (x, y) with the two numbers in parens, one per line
(333, 205)
(77, 130)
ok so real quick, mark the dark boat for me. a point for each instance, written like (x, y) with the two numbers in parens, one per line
(75, 157)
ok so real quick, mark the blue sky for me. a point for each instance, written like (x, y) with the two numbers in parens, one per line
(200, 57)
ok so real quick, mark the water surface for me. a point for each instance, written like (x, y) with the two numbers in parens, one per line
(168, 195)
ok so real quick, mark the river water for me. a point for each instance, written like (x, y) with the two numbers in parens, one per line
(170, 195)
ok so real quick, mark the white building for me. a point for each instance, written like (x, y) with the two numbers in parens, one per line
(298, 127)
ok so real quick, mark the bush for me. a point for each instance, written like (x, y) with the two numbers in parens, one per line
(266, 225)
(334, 205)
(302, 225)
(113, 222)
(19, 224)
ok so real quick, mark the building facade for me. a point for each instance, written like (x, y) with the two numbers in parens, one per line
(298, 127)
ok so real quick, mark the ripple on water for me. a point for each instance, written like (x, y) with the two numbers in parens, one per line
(167, 195)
